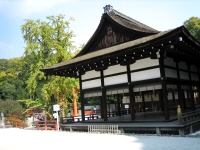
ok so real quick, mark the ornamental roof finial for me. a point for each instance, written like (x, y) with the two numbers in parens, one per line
(107, 8)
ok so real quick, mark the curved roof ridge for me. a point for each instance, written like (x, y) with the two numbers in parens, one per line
(130, 19)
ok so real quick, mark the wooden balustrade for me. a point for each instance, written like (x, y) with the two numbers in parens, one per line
(17, 123)
(191, 116)
(79, 118)
(48, 125)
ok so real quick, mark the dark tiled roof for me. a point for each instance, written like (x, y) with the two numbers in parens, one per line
(129, 22)
(109, 50)
(134, 27)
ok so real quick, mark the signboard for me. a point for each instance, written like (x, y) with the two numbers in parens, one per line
(126, 106)
(56, 107)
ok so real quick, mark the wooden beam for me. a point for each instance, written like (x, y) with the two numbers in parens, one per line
(103, 97)
(191, 90)
(164, 88)
(131, 95)
(82, 99)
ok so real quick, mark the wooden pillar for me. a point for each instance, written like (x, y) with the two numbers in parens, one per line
(161, 101)
(132, 102)
(101, 102)
(45, 118)
(75, 107)
(82, 100)
(173, 97)
(184, 100)
(33, 115)
(164, 87)
(118, 105)
(103, 97)
(104, 104)
(180, 95)
(191, 90)
(131, 95)
(152, 102)
(143, 102)
(198, 88)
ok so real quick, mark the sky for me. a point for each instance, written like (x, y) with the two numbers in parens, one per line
(158, 14)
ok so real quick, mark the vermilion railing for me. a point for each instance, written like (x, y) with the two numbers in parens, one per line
(48, 125)
(17, 123)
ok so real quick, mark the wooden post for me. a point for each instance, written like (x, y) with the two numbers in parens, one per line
(191, 90)
(173, 97)
(103, 90)
(132, 102)
(179, 115)
(118, 106)
(161, 101)
(45, 119)
(33, 115)
(75, 92)
(101, 103)
(164, 87)
(152, 103)
(143, 102)
(75, 107)
(104, 104)
(180, 95)
(82, 100)
(131, 94)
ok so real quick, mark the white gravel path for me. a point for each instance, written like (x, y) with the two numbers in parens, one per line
(20, 139)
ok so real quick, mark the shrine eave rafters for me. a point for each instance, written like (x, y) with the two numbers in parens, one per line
(175, 43)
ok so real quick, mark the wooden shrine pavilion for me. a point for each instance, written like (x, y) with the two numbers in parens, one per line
(152, 70)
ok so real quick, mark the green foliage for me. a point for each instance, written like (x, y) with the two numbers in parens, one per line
(12, 85)
(47, 43)
(193, 26)
(10, 107)
(93, 101)
(97, 101)
(111, 99)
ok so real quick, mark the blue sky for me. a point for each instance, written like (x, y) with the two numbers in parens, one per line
(159, 14)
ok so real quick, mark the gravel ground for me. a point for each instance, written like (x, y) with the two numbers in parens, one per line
(21, 139)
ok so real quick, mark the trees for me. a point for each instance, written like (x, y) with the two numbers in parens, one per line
(10, 107)
(193, 26)
(47, 43)
(12, 85)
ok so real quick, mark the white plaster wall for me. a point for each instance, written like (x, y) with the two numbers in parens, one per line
(117, 91)
(146, 74)
(169, 96)
(90, 74)
(125, 99)
(184, 75)
(138, 98)
(115, 79)
(171, 86)
(93, 94)
(147, 87)
(193, 68)
(170, 73)
(114, 69)
(194, 77)
(147, 98)
(143, 63)
(91, 84)
(182, 65)
(184, 87)
(91, 107)
(169, 62)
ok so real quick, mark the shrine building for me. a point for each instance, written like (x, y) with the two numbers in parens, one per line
(152, 70)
